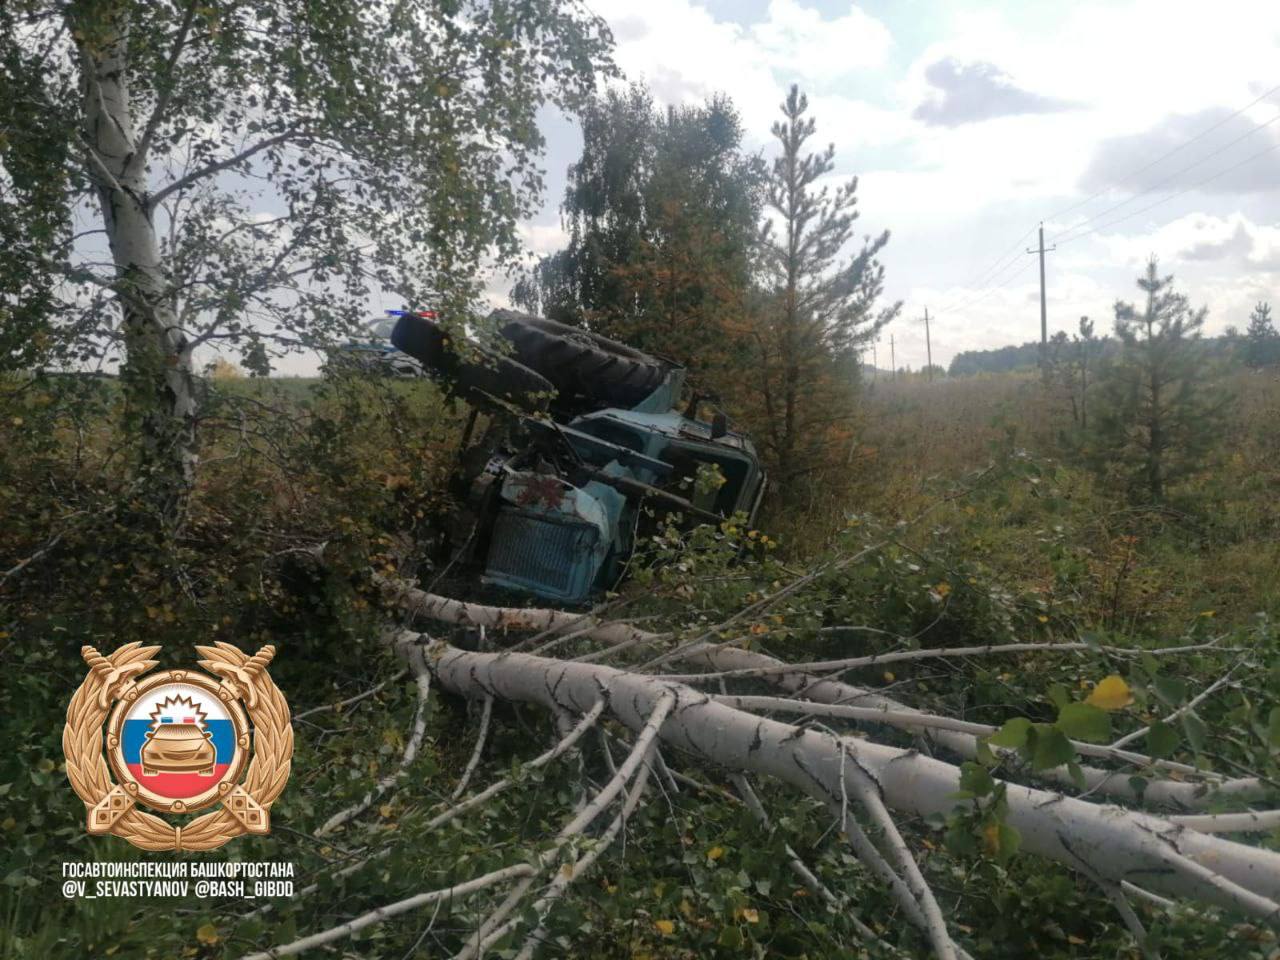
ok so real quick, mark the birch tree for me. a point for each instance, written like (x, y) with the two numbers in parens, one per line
(247, 175)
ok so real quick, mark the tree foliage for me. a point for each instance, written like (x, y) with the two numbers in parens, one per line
(1261, 346)
(817, 309)
(259, 170)
(1156, 419)
(661, 210)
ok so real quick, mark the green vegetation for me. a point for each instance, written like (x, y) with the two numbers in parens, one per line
(1003, 541)
(979, 607)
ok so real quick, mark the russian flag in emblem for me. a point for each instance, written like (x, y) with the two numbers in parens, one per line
(178, 741)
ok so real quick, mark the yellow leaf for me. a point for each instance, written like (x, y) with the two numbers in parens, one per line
(1042, 618)
(1111, 693)
(888, 676)
(385, 810)
(750, 914)
(665, 927)
(991, 839)
(942, 589)
(207, 934)
(715, 853)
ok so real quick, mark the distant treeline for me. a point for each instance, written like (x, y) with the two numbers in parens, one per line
(1026, 356)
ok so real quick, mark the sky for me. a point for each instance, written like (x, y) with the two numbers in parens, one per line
(1118, 123)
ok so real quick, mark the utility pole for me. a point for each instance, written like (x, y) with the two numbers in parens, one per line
(928, 345)
(893, 362)
(1044, 315)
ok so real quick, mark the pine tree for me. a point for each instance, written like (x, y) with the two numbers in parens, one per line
(1156, 419)
(819, 309)
(1261, 341)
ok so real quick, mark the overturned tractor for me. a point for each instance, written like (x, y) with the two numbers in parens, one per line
(585, 440)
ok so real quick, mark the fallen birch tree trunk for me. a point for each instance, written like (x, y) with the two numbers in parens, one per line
(1198, 792)
(865, 786)
(1113, 843)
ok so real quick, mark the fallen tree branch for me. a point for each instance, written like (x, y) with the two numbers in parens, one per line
(913, 720)
(564, 877)
(350, 701)
(798, 866)
(481, 736)
(495, 926)
(1117, 843)
(422, 677)
(897, 656)
(394, 909)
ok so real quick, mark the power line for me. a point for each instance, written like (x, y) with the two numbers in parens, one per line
(1164, 156)
(1173, 196)
(1000, 264)
(973, 296)
(1177, 173)
(1026, 265)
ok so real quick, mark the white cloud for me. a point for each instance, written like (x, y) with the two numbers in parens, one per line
(798, 40)
(1232, 242)
(957, 197)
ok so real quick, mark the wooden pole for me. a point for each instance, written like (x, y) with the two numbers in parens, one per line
(928, 345)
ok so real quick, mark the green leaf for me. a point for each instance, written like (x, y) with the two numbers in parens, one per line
(1050, 747)
(1077, 775)
(1171, 690)
(975, 780)
(1273, 727)
(1195, 730)
(1059, 696)
(1162, 740)
(1082, 721)
(983, 754)
(730, 937)
(1012, 734)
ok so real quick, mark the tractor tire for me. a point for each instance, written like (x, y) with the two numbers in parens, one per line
(474, 373)
(581, 363)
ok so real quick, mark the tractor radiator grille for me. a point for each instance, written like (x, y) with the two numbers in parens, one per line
(537, 552)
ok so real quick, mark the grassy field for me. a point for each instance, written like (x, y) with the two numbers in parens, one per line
(983, 530)
(1038, 521)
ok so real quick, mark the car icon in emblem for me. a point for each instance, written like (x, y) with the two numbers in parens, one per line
(178, 748)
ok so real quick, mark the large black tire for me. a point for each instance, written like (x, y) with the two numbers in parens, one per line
(474, 372)
(581, 363)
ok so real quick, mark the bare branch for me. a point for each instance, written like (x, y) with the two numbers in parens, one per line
(217, 166)
(1185, 708)
(394, 909)
(341, 704)
(495, 925)
(1251, 821)
(485, 715)
(896, 656)
(163, 79)
(423, 678)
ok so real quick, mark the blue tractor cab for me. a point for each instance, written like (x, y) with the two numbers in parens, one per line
(585, 441)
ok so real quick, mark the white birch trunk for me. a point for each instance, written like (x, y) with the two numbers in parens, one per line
(158, 370)
(1104, 841)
